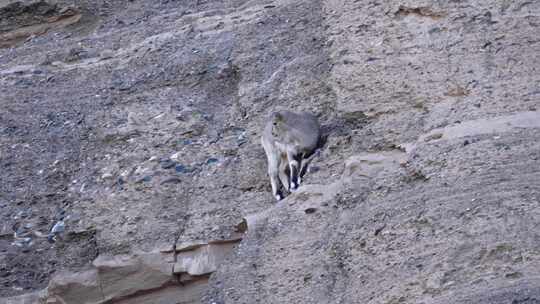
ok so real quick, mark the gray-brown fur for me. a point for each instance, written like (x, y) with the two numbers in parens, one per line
(289, 139)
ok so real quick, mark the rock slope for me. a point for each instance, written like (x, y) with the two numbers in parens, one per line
(136, 125)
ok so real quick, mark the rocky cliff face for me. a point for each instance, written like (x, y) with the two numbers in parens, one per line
(135, 125)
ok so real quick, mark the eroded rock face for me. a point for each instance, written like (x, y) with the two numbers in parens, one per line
(137, 124)
(179, 275)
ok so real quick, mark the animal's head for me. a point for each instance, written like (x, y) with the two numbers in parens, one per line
(277, 123)
(277, 118)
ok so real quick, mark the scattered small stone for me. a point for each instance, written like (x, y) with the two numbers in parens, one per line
(59, 227)
(60, 214)
(180, 169)
(25, 213)
(73, 218)
(56, 230)
(369, 59)
(211, 161)
(175, 156)
(313, 169)
(167, 163)
(15, 226)
(242, 227)
(144, 179)
(379, 229)
(106, 54)
(23, 243)
(241, 139)
(513, 275)
(20, 230)
(433, 136)
(171, 180)
(24, 82)
(466, 142)
(310, 210)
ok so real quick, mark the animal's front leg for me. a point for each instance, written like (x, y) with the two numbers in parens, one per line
(273, 164)
(283, 177)
(274, 182)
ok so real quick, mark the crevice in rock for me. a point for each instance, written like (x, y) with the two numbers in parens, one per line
(23, 21)
(422, 11)
(101, 289)
(154, 291)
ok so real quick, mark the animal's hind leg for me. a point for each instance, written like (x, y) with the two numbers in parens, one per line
(293, 167)
(300, 173)
(304, 162)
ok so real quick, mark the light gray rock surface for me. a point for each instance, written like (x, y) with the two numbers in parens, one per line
(137, 124)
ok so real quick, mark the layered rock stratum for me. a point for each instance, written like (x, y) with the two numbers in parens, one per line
(136, 125)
